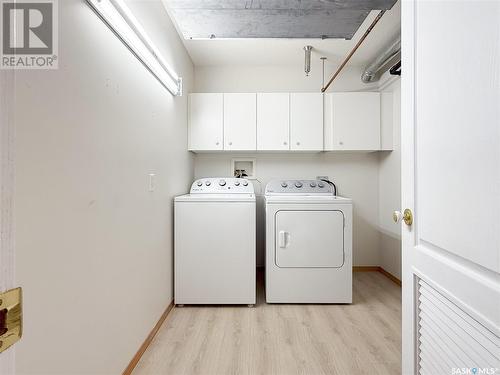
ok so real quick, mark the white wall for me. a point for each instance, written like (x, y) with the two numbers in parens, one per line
(94, 247)
(389, 188)
(276, 78)
(356, 174)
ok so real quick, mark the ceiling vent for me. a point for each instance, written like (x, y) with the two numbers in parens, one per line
(228, 19)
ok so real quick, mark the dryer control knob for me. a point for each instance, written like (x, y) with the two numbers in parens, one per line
(222, 182)
(321, 185)
(208, 183)
(312, 184)
(245, 183)
(298, 184)
(236, 183)
(199, 183)
(284, 184)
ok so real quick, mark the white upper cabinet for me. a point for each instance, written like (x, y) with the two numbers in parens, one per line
(240, 121)
(206, 122)
(349, 121)
(353, 119)
(273, 121)
(306, 121)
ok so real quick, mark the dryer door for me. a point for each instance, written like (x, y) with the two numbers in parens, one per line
(309, 239)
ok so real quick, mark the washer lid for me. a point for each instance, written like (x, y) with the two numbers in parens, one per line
(216, 198)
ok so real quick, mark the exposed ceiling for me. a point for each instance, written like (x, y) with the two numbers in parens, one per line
(222, 52)
(209, 19)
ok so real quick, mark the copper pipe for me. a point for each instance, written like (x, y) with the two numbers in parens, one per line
(370, 28)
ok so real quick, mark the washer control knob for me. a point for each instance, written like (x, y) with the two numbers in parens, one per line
(312, 184)
(208, 183)
(222, 182)
(298, 184)
(321, 185)
(199, 183)
(245, 183)
(236, 183)
(284, 184)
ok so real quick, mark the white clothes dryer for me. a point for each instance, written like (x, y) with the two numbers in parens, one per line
(308, 243)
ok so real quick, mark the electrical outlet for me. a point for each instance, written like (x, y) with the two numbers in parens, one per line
(322, 178)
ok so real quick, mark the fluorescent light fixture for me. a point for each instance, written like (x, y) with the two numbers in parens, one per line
(122, 22)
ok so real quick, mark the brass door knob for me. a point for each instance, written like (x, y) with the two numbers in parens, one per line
(396, 216)
(11, 318)
(407, 216)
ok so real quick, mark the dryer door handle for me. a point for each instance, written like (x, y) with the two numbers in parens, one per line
(282, 238)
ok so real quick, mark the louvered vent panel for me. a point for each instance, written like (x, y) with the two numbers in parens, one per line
(449, 338)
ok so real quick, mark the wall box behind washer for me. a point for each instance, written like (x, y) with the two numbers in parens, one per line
(243, 167)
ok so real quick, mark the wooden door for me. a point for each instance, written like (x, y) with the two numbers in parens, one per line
(451, 183)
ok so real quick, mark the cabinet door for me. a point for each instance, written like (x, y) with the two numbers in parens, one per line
(273, 121)
(356, 120)
(205, 122)
(306, 121)
(240, 121)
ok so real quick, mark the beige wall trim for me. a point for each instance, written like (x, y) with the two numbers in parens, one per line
(137, 357)
(377, 269)
(366, 269)
(390, 276)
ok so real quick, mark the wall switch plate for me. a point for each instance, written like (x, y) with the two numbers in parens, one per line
(322, 178)
(151, 187)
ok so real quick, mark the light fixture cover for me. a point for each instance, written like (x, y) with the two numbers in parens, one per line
(122, 22)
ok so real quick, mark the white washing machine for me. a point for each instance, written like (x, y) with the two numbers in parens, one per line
(215, 257)
(308, 243)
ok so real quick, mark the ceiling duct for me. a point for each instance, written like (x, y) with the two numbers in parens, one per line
(373, 71)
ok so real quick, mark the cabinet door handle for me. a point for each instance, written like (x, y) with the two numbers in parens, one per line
(285, 143)
(298, 143)
(230, 143)
(216, 143)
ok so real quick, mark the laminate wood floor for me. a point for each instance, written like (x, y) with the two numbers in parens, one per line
(362, 338)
